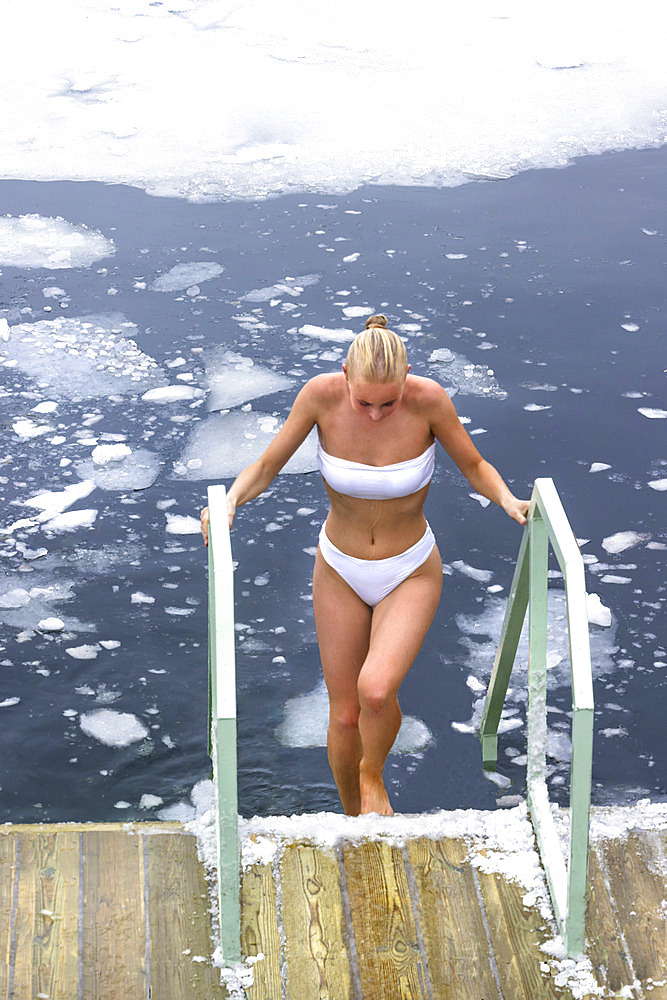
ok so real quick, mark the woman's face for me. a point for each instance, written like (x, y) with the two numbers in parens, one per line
(375, 400)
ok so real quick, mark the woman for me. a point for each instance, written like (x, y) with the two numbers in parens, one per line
(378, 573)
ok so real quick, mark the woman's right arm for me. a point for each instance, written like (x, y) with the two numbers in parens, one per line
(256, 477)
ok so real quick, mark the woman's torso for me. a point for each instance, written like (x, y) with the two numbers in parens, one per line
(374, 528)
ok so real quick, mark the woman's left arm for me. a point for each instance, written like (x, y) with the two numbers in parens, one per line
(481, 475)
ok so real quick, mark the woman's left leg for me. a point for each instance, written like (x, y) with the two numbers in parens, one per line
(399, 624)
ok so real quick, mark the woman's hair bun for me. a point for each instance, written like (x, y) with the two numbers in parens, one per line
(378, 320)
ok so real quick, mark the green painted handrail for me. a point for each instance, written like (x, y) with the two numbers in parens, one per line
(222, 733)
(547, 523)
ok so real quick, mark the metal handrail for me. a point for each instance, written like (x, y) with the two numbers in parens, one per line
(222, 733)
(546, 523)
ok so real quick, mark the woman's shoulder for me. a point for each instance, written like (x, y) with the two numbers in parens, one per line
(325, 388)
(424, 393)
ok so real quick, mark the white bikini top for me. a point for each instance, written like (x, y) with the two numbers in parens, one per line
(377, 482)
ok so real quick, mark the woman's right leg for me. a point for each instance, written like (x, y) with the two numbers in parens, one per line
(343, 623)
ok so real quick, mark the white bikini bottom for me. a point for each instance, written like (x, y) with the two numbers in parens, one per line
(373, 579)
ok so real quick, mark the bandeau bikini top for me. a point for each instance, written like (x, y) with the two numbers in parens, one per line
(373, 482)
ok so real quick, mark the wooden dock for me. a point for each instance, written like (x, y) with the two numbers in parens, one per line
(111, 911)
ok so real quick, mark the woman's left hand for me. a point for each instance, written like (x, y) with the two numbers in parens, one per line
(517, 509)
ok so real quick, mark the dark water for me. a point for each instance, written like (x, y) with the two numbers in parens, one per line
(556, 262)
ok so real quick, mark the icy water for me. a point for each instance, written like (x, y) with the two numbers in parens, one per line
(537, 300)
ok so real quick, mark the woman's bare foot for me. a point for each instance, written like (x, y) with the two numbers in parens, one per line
(374, 798)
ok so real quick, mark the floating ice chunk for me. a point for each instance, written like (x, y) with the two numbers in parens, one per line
(85, 652)
(140, 598)
(169, 394)
(109, 643)
(354, 312)
(48, 406)
(182, 524)
(137, 471)
(351, 258)
(630, 327)
(148, 801)
(457, 374)
(261, 580)
(658, 484)
(598, 614)
(623, 540)
(234, 379)
(105, 453)
(9, 702)
(27, 428)
(652, 414)
(82, 358)
(71, 520)
(612, 578)
(599, 467)
(456, 256)
(288, 286)
(51, 625)
(483, 501)
(15, 598)
(224, 444)
(28, 241)
(306, 719)
(534, 407)
(114, 729)
(183, 276)
(56, 501)
(324, 333)
(179, 812)
(481, 575)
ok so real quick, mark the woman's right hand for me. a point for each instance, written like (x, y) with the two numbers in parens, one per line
(203, 517)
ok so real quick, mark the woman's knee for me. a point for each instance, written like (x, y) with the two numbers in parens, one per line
(375, 693)
(344, 716)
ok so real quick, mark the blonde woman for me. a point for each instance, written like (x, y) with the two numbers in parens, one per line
(378, 573)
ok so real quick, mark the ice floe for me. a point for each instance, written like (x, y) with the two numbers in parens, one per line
(182, 524)
(114, 729)
(184, 276)
(306, 719)
(36, 241)
(658, 484)
(71, 520)
(56, 501)
(651, 413)
(78, 359)
(288, 286)
(457, 374)
(623, 540)
(325, 333)
(129, 470)
(223, 444)
(234, 379)
(169, 394)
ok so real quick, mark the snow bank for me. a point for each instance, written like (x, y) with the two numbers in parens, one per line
(323, 95)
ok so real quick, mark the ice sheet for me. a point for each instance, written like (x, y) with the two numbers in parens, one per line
(36, 241)
(234, 379)
(312, 83)
(223, 444)
(114, 729)
(77, 359)
(457, 374)
(306, 718)
(183, 276)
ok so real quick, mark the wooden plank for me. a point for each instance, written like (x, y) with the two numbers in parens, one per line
(259, 931)
(516, 935)
(56, 941)
(452, 922)
(113, 948)
(8, 875)
(318, 966)
(638, 893)
(605, 945)
(24, 917)
(388, 954)
(179, 922)
(145, 826)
